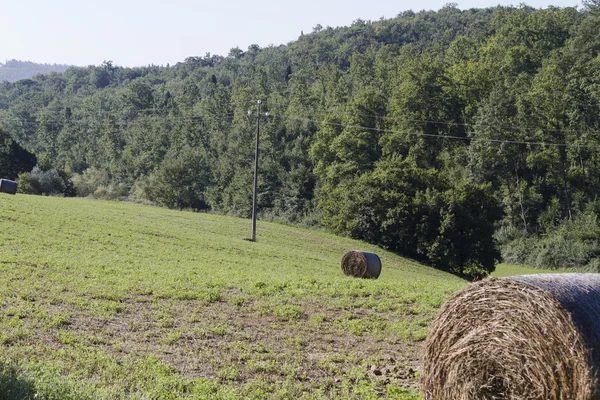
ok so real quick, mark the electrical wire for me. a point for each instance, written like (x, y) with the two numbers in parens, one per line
(228, 117)
(433, 122)
(451, 137)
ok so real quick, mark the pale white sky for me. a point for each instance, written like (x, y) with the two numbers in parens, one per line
(142, 32)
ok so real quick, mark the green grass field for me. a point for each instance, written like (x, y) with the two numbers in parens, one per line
(106, 300)
(503, 270)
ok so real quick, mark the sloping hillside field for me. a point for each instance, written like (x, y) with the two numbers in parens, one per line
(104, 300)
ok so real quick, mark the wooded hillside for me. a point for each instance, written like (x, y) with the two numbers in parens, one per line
(444, 136)
(14, 70)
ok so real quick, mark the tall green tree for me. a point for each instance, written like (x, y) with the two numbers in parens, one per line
(13, 158)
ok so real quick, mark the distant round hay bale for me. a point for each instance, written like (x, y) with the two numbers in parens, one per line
(361, 264)
(522, 337)
(8, 186)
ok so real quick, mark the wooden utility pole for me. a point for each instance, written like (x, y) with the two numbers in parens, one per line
(256, 154)
(255, 173)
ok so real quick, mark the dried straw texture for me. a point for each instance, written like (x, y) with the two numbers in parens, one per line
(361, 264)
(524, 337)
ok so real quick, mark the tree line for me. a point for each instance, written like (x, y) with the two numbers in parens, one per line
(14, 70)
(455, 137)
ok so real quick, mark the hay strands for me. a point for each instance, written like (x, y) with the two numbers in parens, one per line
(522, 337)
(361, 264)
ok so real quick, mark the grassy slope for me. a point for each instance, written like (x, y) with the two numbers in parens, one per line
(510, 269)
(115, 300)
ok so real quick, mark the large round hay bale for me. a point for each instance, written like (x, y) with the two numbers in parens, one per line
(361, 264)
(523, 337)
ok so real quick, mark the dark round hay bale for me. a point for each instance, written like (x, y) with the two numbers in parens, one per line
(8, 186)
(523, 337)
(361, 264)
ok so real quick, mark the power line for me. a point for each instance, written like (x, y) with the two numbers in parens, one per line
(322, 114)
(154, 110)
(337, 111)
(451, 137)
(100, 124)
(228, 116)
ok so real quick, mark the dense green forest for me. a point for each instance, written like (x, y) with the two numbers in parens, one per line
(456, 137)
(14, 70)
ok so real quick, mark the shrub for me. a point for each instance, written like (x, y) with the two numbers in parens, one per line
(181, 180)
(113, 191)
(41, 182)
(89, 181)
(570, 244)
(96, 183)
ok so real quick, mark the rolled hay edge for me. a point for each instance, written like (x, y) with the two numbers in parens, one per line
(521, 337)
(361, 264)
